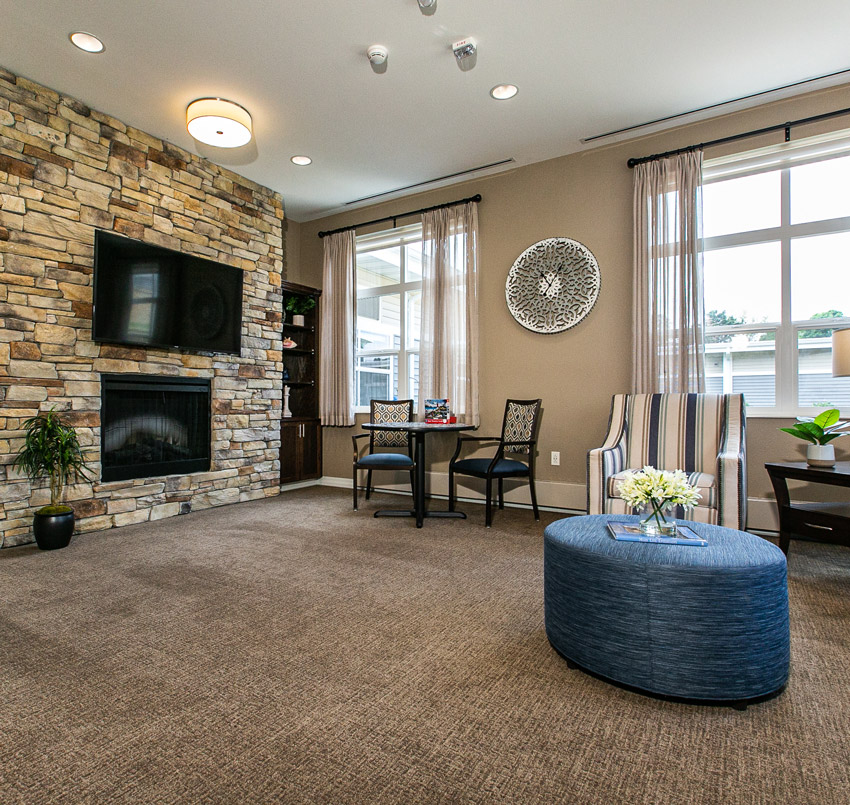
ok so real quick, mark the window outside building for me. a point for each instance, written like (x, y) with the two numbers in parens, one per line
(776, 234)
(389, 296)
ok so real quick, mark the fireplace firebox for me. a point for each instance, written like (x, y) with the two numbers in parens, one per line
(154, 426)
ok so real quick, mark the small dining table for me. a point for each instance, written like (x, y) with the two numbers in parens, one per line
(418, 430)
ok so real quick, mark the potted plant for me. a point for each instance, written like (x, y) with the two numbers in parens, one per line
(819, 432)
(51, 450)
(298, 306)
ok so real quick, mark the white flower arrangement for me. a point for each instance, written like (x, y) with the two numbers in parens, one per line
(660, 489)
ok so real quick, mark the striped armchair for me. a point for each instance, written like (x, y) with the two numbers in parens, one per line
(702, 434)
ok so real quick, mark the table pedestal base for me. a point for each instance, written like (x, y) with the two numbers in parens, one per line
(411, 513)
(418, 429)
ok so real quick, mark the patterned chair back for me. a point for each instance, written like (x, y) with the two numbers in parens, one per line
(382, 411)
(520, 424)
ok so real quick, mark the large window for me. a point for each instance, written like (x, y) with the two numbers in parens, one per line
(389, 296)
(776, 228)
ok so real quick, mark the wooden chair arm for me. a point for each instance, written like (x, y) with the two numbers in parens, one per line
(462, 439)
(354, 442)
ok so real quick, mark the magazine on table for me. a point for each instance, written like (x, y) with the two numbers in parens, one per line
(630, 532)
(438, 412)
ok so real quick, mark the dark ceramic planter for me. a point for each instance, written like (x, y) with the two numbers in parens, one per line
(53, 531)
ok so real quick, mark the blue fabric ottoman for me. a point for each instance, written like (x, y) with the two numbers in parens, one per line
(689, 622)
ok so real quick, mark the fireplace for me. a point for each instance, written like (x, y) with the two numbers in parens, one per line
(154, 426)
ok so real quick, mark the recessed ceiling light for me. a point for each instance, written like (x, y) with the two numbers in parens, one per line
(218, 122)
(302, 160)
(502, 92)
(87, 42)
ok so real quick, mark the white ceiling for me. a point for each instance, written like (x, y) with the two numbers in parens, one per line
(583, 67)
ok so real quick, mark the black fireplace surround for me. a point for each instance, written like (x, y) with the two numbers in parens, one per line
(153, 426)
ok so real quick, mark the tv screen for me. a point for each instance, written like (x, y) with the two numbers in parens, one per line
(148, 296)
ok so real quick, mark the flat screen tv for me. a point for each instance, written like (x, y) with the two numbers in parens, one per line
(148, 296)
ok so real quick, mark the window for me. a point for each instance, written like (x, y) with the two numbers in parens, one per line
(389, 296)
(776, 255)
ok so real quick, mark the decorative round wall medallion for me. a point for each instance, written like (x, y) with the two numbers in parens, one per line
(553, 285)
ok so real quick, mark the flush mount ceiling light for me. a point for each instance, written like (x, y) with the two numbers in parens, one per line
(218, 122)
(87, 42)
(300, 160)
(501, 92)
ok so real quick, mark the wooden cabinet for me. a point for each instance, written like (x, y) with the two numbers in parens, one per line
(300, 433)
(300, 450)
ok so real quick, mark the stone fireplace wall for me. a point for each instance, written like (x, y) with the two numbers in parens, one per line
(65, 170)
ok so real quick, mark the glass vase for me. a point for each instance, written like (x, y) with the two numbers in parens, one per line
(655, 524)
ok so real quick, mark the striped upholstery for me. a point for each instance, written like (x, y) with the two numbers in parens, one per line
(702, 434)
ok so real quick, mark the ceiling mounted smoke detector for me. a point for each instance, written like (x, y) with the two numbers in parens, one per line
(218, 122)
(377, 55)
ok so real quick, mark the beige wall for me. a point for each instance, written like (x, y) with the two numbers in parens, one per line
(292, 250)
(587, 197)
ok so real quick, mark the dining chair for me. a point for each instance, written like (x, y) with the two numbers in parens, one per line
(519, 436)
(381, 412)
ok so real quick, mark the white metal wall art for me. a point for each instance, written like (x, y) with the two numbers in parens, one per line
(553, 285)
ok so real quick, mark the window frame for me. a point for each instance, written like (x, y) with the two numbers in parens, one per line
(786, 331)
(396, 237)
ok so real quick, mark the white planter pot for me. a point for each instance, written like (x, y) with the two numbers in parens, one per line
(297, 320)
(820, 455)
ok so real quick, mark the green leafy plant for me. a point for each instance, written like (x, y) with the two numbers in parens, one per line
(299, 305)
(51, 450)
(822, 429)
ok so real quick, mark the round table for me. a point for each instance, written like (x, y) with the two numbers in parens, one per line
(706, 623)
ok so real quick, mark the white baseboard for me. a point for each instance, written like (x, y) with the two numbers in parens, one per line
(302, 485)
(551, 495)
(554, 496)
(762, 515)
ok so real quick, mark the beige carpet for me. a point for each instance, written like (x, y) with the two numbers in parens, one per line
(292, 650)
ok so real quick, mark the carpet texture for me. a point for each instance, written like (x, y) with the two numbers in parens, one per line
(292, 650)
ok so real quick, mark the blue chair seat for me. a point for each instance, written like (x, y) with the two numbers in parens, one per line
(478, 466)
(400, 460)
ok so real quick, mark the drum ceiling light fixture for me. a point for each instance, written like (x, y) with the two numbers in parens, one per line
(218, 122)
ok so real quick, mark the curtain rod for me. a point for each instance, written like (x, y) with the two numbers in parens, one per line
(732, 138)
(475, 198)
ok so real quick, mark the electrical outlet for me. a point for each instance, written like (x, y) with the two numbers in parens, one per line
(556, 458)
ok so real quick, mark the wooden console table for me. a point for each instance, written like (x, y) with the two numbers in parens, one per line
(826, 522)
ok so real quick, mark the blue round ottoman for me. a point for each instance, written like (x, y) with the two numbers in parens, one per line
(707, 623)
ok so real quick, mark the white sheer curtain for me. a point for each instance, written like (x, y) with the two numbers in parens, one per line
(448, 352)
(668, 291)
(336, 367)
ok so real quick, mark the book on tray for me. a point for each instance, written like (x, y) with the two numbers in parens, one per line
(630, 532)
(437, 412)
